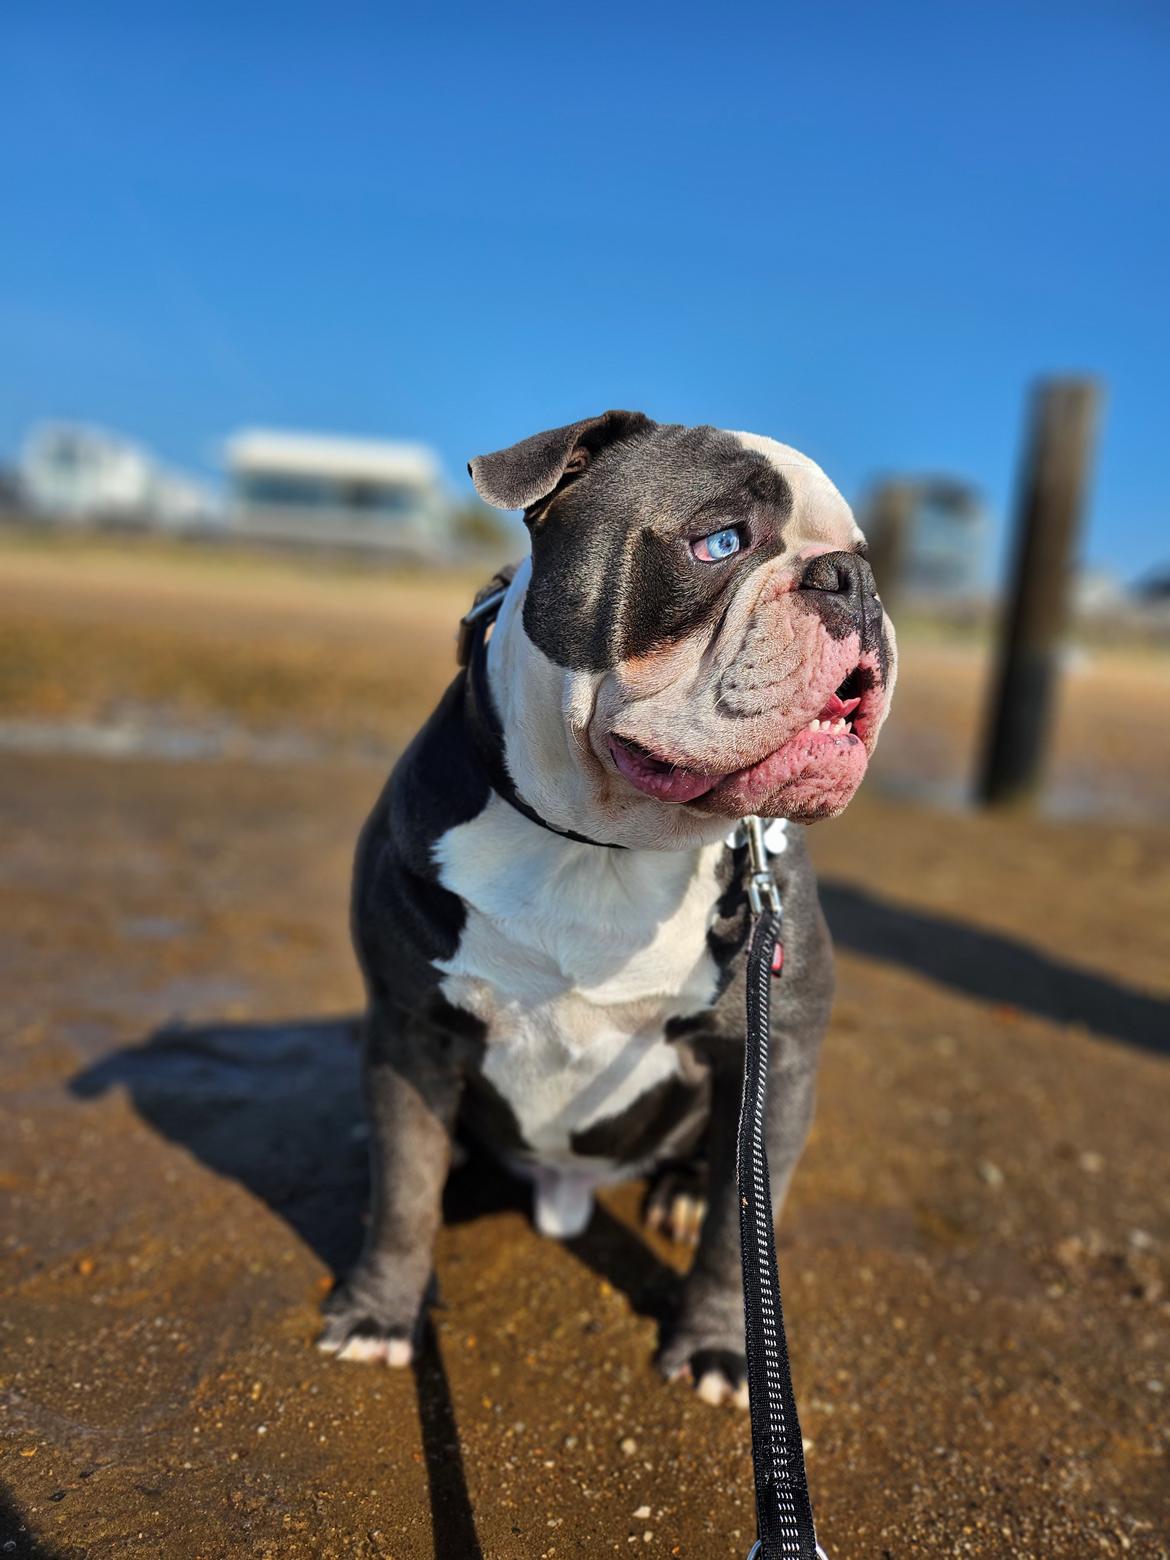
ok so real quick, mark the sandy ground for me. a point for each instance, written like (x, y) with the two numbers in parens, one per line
(975, 1253)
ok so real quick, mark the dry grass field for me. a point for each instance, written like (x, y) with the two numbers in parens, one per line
(976, 1252)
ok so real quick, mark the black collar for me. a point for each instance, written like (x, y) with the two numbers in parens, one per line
(483, 719)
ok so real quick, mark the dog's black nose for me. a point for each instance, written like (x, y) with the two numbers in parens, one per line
(845, 595)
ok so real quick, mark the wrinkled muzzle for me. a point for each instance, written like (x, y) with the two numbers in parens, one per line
(775, 711)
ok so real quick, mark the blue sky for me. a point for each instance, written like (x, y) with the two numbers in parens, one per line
(863, 229)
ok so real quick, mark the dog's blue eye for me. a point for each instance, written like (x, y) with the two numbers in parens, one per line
(717, 546)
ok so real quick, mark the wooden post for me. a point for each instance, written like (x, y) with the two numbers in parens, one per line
(1053, 481)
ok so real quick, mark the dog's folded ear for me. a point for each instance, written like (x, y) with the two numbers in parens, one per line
(517, 477)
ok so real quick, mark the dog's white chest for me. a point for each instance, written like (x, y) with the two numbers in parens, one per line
(575, 958)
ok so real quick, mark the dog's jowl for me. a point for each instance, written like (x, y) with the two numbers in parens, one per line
(549, 904)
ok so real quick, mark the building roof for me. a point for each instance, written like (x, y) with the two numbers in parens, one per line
(320, 455)
(46, 437)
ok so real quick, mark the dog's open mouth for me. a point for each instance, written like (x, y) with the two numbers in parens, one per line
(660, 777)
(842, 706)
(823, 761)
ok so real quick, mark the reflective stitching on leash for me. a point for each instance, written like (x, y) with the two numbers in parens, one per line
(783, 1509)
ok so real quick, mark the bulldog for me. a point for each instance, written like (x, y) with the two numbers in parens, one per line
(549, 902)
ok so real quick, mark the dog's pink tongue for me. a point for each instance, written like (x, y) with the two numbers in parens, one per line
(836, 707)
(668, 784)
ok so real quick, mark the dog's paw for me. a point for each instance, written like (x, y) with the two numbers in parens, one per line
(676, 1203)
(362, 1332)
(718, 1375)
(706, 1347)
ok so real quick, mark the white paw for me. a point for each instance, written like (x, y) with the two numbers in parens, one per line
(359, 1350)
(714, 1387)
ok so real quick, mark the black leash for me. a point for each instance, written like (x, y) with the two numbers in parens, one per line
(784, 1518)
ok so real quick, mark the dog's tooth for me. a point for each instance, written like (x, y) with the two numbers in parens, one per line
(814, 725)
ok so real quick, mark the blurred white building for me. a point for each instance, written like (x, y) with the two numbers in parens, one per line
(80, 475)
(312, 488)
(927, 538)
(950, 535)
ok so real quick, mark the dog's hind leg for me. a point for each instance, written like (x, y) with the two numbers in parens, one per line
(412, 1094)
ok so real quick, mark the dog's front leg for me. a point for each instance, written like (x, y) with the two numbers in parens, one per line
(707, 1340)
(412, 1093)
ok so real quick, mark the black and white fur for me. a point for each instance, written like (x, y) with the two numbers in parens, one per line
(578, 1007)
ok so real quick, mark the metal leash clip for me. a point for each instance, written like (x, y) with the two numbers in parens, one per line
(762, 890)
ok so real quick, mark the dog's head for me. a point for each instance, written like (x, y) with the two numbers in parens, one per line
(696, 637)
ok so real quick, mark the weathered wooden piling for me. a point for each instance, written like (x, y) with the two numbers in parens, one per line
(1053, 481)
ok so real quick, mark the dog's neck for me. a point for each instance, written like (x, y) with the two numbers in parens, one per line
(529, 693)
(545, 711)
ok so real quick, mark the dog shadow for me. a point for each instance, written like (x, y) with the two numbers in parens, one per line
(994, 967)
(278, 1108)
(275, 1106)
(15, 1538)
